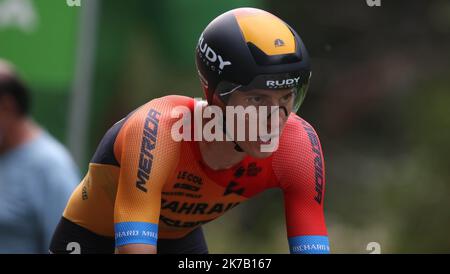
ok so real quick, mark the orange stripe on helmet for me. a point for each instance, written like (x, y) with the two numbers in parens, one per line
(266, 31)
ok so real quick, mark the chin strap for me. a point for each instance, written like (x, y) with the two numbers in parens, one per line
(237, 147)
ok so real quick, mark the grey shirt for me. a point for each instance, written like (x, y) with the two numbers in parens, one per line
(36, 180)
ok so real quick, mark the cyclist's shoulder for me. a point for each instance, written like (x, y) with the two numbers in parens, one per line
(298, 153)
(173, 100)
(153, 119)
(296, 131)
(160, 110)
(147, 130)
(298, 140)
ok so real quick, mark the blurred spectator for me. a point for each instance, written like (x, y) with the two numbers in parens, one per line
(37, 174)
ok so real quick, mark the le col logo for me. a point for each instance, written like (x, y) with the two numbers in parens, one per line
(210, 55)
(282, 83)
(73, 3)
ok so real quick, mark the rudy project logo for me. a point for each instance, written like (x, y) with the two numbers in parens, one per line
(285, 83)
(212, 58)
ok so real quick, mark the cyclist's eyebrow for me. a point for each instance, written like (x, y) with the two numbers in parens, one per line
(289, 91)
(257, 93)
(268, 95)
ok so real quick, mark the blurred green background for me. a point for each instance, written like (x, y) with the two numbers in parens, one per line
(379, 100)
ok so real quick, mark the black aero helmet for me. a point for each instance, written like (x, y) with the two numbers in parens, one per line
(248, 48)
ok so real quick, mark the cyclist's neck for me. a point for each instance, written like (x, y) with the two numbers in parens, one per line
(219, 155)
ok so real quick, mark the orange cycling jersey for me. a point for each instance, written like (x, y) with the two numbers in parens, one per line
(142, 185)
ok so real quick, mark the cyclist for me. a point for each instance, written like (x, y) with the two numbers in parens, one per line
(146, 192)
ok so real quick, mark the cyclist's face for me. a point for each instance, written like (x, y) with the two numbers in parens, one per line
(269, 123)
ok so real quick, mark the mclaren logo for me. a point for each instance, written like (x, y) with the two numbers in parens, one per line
(211, 57)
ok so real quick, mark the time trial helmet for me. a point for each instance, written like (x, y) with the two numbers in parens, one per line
(248, 48)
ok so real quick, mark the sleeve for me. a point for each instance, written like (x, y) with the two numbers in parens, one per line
(299, 167)
(147, 155)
